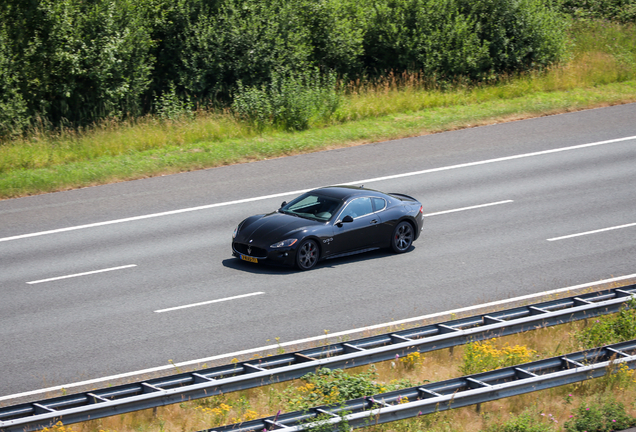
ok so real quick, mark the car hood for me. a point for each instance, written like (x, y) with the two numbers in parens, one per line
(272, 227)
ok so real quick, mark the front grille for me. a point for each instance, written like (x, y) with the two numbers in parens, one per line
(250, 250)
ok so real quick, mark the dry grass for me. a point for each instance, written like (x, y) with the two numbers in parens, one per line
(552, 407)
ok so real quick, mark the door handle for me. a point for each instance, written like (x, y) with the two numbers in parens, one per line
(374, 221)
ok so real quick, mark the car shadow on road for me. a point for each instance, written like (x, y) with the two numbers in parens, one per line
(237, 264)
(377, 254)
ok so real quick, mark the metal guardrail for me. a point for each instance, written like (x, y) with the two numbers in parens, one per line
(240, 376)
(453, 393)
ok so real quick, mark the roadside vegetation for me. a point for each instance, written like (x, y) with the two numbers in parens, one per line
(99, 91)
(113, 90)
(603, 404)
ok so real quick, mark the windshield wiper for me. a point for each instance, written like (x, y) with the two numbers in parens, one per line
(287, 212)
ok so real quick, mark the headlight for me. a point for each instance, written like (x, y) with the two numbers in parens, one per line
(284, 243)
(237, 229)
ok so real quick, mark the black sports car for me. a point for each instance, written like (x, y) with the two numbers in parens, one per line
(329, 222)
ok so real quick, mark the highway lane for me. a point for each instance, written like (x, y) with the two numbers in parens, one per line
(99, 324)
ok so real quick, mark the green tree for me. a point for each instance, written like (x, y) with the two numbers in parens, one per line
(622, 11)
(79, 61)
(472, 38)
(13, 109)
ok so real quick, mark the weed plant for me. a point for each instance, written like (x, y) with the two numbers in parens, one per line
(602, 413)
(530, 420)
(610, 329)
(485, 356)
(328, 386)
(291, 101)
(170, 106)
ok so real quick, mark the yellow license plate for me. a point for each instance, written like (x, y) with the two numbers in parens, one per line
(249, 258)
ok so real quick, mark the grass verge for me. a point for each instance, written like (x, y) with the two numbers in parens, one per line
(601, 71)
(242, 145)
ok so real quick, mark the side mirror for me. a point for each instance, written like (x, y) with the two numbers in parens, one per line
(283, 204)
(346, 219)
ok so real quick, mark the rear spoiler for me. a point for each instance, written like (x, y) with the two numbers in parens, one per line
(402, 196)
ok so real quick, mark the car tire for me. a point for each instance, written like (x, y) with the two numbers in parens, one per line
(403, 236)
(307, 255)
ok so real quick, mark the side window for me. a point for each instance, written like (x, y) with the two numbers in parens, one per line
(358, 207)
(378, 204)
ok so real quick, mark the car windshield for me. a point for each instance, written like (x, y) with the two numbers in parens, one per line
(312, 206)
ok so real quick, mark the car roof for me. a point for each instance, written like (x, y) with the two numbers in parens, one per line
(344, 192)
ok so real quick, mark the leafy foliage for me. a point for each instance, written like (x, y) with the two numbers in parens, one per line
(602, 415)
(75, 62)
(621, 11)
(13, 109)
(527, 421)
(289, 101)
(328, 386)
(450, 38)
(485, 356)
(170, 106)
(610, 329)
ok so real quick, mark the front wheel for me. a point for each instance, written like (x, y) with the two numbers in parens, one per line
(307, 255)
(402, 237)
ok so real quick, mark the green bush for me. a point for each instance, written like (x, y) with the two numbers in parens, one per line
(602, 415)
(250, 40)
(74, 62)
(474, 38)
(13, 109)
(169, 106)
(78, 61)
(290, 101)
(328, 386)
(246, 41)
(621, 11)
(610, 329)
(527, 421)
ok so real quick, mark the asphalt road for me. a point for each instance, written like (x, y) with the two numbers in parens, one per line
(92, 280)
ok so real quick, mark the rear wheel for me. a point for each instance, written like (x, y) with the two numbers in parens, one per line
(402, 237)
(307, 255)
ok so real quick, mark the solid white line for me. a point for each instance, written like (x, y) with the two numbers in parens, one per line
(82, 274)
(502, 159)
(592, 232)
(149, 216)
(297, 192)
(209, 302)
(467, 208)
(324, 338)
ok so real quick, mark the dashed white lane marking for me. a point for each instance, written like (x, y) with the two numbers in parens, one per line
(209, 302)
(467, 208)
(82, 274)
(297, 192)
(321, 338)
(592, 232)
